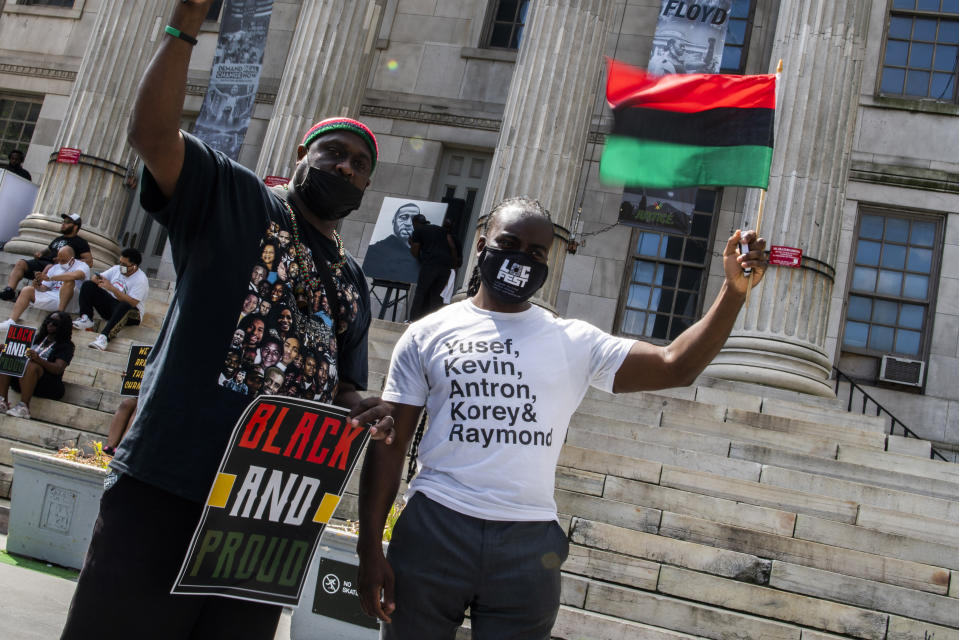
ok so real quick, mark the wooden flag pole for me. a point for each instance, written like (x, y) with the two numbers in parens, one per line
(762, 200)
(759, 222)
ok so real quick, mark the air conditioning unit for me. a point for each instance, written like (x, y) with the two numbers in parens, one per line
(902, 371)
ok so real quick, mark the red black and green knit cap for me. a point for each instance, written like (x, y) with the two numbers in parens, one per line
(343, 124)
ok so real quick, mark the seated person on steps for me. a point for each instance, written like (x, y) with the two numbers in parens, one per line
(49, 356)
(118, 294)
(52, 290)
(42, 259)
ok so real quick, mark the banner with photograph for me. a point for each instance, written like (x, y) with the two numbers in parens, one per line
(388, 257)
(136, 364)
(235, 76)
(13, 358)
(659, 209)
(689, 38)
(278, 484)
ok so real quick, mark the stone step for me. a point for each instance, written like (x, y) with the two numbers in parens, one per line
(815, 445)
(611, 567)
(648, 432)
(38, 433)
(810, 413)
(817, 583)
(67, 415)
(667, 455)
(573, 623)
(844, 470)
(781, 424)
(659, 550)
(4, 515)
(6, 479)
(894, 545)
(909, 446)
(773, 603)
(587, 459)
(912, 575)
(714, 509)
(6, 458)
(920, 527)
(755, 493)
(93, 376)
(621, 514)
(866, 494)
(683, 616)
(871, 541)
(908, 629)
(935, 469)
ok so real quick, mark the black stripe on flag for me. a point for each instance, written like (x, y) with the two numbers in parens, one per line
(723, 127)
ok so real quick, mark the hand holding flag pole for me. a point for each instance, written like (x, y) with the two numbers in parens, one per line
(744, 248)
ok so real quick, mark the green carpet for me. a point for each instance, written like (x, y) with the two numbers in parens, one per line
(38, 565)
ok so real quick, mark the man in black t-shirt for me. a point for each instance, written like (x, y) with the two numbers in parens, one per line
(15, 164)
(436, 250)
(69, 230)
(226, 229)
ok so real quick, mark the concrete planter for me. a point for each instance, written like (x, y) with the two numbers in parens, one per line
(53, 506)
(329, 606)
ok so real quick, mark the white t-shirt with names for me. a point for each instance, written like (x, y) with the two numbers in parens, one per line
(500, 389)
(136, 285)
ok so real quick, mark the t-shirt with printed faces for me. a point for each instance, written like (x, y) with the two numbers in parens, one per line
(57, 269)
(136, 285)
(79, 245)
(499, 389)
(230, 236)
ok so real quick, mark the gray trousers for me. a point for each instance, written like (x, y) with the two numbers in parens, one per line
(506, 573)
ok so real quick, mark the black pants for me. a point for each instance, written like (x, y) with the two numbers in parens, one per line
(117, 314)
(139, 541)
(506, 573)
(429, 287)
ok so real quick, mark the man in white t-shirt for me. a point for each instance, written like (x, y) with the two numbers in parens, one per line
(117, 295)
(53, 289)
(500, 379)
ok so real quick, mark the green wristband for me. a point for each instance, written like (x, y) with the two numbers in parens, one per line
(176, 33)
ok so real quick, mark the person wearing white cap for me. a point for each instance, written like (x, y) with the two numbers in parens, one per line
(69, 235)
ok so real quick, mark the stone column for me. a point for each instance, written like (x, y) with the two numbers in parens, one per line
(326, 73)
(121, 45)
(546, 122)
(780, 340)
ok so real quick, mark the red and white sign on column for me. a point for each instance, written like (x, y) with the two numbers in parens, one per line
(68, 155)
(785, 256)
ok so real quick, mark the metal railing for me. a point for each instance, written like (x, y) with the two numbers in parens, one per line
(866, 399)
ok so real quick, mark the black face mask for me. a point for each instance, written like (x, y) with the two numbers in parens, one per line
(511, 277)
(328, 195)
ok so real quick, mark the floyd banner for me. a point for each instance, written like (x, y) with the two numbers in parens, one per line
(279, 482)
(235, 76)
(689, 38)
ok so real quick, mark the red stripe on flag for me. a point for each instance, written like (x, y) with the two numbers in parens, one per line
(687, 93)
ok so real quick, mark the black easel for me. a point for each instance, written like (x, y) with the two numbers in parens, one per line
(395, 293)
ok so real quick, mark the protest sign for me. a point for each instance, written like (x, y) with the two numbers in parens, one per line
(13, 359)
(134, 373)
(280, 480)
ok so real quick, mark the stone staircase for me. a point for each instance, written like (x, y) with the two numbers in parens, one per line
(714, 511)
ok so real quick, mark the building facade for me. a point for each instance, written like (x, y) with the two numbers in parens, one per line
(481, 99)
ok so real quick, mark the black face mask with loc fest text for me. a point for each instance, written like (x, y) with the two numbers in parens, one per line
(511, 277)
(328, 195)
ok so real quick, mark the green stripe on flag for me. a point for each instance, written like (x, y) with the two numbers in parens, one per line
(661, 165)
